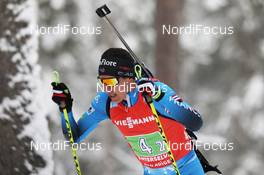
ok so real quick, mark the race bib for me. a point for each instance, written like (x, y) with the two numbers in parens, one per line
(150, 149)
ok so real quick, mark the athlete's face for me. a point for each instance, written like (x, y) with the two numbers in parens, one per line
(117, 91)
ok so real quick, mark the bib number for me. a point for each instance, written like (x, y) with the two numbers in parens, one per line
(148, 144)
(161, 145)
(144, 147)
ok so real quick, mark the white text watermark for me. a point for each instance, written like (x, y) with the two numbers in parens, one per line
(64, 145)
(195, 29)
(61, 29)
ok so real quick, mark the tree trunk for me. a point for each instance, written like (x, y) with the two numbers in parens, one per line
(22, 119)
(168, 61)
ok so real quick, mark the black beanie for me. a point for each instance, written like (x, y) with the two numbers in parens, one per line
(116, 62)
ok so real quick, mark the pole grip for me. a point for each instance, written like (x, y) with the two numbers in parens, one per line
(147, 97)
(103, 11)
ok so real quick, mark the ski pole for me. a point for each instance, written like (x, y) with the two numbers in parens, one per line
(149, 100)
(154, 111)
(103, 12)
(56, 79)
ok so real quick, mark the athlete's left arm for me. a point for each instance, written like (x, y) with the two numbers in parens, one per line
(171, 105)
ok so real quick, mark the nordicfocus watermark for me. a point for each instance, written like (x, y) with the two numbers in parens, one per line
(195, 29)
(64, 145)
(61, 29)
(190, 145)
(207, 146)
(126, 87)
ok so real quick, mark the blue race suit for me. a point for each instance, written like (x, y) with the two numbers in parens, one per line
(170, 105)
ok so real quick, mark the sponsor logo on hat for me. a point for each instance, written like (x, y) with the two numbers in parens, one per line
(108, 63)
(128, 74)
(102, 69)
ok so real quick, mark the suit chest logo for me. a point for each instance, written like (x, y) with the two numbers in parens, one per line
(131, 123)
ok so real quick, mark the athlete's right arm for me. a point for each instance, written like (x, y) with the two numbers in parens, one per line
(89, 120)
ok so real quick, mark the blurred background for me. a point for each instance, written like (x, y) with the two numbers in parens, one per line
(220, 75)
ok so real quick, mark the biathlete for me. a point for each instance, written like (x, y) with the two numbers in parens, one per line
(124, 103)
